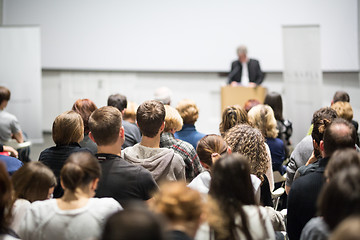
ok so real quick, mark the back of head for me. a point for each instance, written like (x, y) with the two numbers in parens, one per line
(249, 141)
(135, 224)
(208, 145)
(105, 124)
(340, 197)
(5, 198)
(347, 229)
(173, 120)
(322, 118)
(232, 115)
(68, 128)
(117, 100)
(341, 96)
(343, 110)
(274, 100)
(4, 94)
(230, 180)
(262, 117)
(163, 95)
(79, 170)
(33, 181)
(339, 135)
(84, 107)
(342, 159)
(188, 111)
(150, 116)
(178, 203)
(249, 104)
(130, 112)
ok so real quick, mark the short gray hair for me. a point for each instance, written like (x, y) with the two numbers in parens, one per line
(241, 49)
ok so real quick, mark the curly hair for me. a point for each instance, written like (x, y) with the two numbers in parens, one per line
(249, 141)
(262, 117)
(232, 115)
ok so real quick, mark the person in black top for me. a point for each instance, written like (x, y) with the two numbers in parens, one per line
(120, 179)
(67, 132)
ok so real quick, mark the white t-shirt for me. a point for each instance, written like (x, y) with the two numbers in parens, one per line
(44, 220)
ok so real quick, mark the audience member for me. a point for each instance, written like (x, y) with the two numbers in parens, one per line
(6, 201)
(32, 182)
(132, 132)
(173, 123)
(249, 141)
(9, 125)
(163, 95)
(233, 213)
(135, 223)
(181, 206)
(319, 126)
(8, 150)
(210, 148)
(249, 104)
(262, 117)
(76, 215)
(340, 193)
(130, 112)
(304, 149)
(189, 112)
(85, 107)
(274, 100)
(232, 115)
(340, 96)
(120, 179)
(163, 163)
(12, 164)
(305, 190)
(67, 132)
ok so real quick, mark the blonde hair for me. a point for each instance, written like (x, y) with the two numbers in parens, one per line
(173, 119)
(262, 117)
(188, 110)
(343, 110)
(68, 128)
(232, 115)
(130, 112)
(250, 142)
(178, 203)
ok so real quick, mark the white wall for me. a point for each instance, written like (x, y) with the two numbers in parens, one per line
(62, 88)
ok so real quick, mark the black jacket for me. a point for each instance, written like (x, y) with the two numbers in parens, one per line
(255, 73)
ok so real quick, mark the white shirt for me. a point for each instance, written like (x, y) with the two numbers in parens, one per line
(245, 74)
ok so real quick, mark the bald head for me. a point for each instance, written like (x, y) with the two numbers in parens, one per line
(339, 135)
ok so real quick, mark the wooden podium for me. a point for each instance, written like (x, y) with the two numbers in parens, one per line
(239, 95)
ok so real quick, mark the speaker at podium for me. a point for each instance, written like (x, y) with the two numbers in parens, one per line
(239, 95)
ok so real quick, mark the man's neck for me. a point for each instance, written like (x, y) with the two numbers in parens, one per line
(151, 142)
(111, 149)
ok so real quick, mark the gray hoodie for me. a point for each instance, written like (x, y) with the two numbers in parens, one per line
(163, 163)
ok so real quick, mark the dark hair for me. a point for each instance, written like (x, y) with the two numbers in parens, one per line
(340, 197)
(231, 188)
(339, 135)
(150, 116)
(68, 128)
(135, 224)
(4, 94)
(79, 170)
(341, 96)
(5, 199)
(117, 100)
(342, 159)
(105, 124)
(319, 125)
(274, 100)
(232, 115)
(33, 181)
(84, 107)
(327, 112)
(208, 145)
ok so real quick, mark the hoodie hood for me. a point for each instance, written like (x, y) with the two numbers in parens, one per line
(156, 160)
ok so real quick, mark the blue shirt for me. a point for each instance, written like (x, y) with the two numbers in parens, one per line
(189, 134)
(12, 164)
